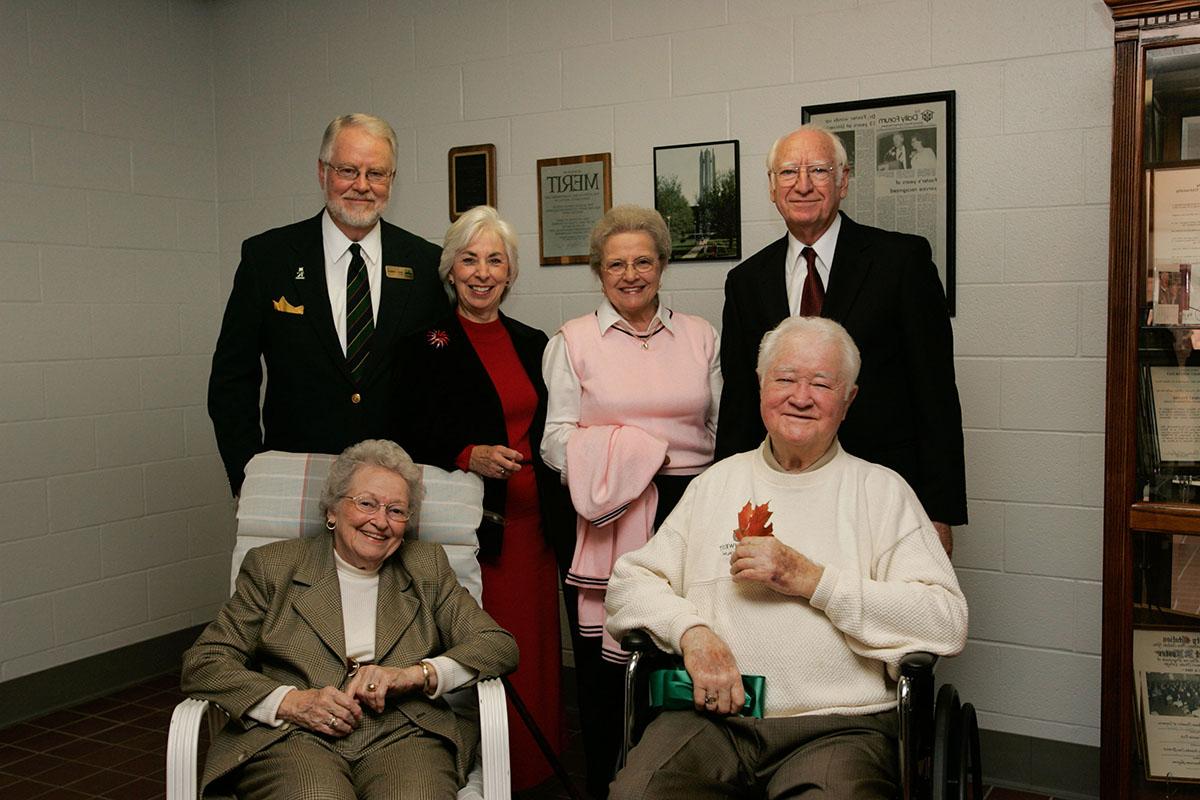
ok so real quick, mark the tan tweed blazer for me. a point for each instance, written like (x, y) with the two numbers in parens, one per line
(283, 626)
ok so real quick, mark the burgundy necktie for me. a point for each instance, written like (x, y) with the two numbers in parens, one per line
(812, 297)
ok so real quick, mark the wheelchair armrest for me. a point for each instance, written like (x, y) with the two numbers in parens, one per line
(638, 641)
(914, 705)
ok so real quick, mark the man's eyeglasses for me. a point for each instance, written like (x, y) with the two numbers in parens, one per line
(817, 173)
(350, 174)
(369, 506)
(640, 265)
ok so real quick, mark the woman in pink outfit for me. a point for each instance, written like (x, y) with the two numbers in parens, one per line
(631, 364)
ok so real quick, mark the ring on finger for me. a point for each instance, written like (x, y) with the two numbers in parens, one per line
(709, 699)
(332, 721)
(370, 687)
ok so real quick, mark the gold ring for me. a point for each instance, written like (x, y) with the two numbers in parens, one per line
(709, 699)
(370, 687)
(332, 721)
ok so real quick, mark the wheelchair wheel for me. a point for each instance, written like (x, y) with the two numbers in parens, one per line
(970, 768)
(946, 744)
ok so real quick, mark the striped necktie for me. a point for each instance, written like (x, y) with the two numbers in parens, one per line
(360, 321)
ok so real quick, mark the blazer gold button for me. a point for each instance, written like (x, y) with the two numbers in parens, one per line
(356, 398)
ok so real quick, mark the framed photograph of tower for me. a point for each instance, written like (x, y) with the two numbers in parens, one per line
(697, 189)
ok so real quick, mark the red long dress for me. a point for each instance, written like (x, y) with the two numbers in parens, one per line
(520, 587)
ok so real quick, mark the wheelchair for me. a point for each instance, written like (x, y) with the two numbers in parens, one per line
(938, 739)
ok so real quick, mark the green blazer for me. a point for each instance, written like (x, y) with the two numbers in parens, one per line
(283, 626)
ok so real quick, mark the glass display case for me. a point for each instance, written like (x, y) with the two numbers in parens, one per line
(1150, 726)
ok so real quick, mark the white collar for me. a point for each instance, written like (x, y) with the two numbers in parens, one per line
(825, 246)
(337, 243)
(607, 316)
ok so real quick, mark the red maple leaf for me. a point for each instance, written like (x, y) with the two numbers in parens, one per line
(752, 521)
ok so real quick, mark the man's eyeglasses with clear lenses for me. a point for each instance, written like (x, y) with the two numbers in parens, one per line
(350, 174)
(818, 174)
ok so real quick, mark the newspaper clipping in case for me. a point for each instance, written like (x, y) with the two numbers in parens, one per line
(1167, 665)
(899, 150)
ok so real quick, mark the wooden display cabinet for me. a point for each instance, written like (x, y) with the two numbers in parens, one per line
(1152, 480)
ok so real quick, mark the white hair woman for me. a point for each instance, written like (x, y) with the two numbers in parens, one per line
(333, 654)
(472, 398)
(634, 388)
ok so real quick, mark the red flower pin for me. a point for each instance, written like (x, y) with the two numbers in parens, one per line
(438, 339)
(752, 521)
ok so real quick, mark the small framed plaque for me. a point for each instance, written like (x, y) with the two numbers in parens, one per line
(472, 178)
(1174, 244)
(1175, 392)
(573, 193)
(1166, 664)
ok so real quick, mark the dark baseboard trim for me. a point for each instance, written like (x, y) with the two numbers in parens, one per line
(67, 685)
(1059, 769)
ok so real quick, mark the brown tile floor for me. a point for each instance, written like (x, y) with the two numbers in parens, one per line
(115, 748)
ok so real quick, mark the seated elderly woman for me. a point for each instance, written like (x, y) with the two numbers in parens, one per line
(804, 565)
(333, 655)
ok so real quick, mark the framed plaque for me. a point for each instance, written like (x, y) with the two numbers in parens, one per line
(1175, 392)
(1174, 244)
(696, 189)
(1166, 666)
(573, 193)
(901, 156)
(472, 178)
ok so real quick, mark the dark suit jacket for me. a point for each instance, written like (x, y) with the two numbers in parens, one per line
(312, 403)
(884, 288)
(283, 626)
(446, 401)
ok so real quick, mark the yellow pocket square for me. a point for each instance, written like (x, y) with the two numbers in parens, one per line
(283, 305)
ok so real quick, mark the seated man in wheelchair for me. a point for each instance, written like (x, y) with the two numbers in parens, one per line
(796, 571)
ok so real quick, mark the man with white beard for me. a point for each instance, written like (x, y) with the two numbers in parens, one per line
(322, 303)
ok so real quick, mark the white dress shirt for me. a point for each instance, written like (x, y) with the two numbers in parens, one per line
(796, 268)
(337, 261)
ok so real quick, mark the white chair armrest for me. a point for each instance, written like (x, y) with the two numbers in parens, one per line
(493, 740)
(183, 746)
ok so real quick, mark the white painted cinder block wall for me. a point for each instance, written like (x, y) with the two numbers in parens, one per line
(114, 523)
(116, 259)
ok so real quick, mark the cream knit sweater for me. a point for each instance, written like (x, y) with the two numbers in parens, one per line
(888, 587)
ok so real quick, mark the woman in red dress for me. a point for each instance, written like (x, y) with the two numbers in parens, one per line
(473, 398)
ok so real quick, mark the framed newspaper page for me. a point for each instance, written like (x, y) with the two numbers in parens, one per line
(1166, 665)
(901, 156)
(472, 178)
(573, 193)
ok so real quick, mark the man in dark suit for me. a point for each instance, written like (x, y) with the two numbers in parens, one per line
(323, 302)
(884, 288)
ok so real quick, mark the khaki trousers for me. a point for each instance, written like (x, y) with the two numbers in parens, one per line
(684, 754)
(304, 766)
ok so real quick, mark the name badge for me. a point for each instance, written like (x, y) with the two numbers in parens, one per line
(402, 273)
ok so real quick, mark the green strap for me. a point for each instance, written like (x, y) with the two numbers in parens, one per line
(671, 690)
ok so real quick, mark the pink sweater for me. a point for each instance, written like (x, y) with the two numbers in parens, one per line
(663, 389)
